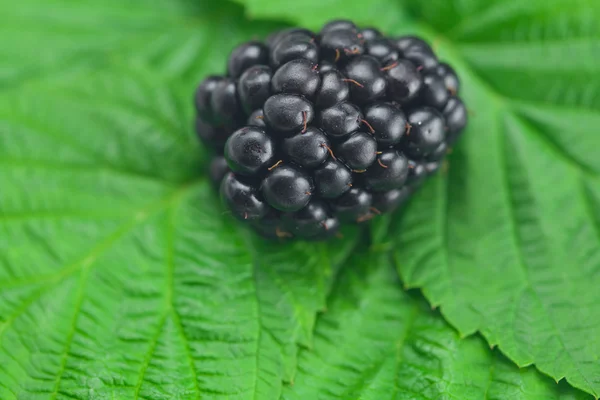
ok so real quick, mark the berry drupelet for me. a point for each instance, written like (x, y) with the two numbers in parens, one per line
(312, 130)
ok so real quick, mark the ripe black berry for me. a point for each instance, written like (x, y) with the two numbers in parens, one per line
(340, 120)
(404, 81)
(427, 132)
(249, 151)
(288, 113)
(358, 151)
(257, 118)
(354, 205)
(211, 136)
(455, 113)
(286, 188)
(309, 130)
(383, 50)
(332, 179)
(388, 172)
(203, 95)
(340, 45)
(366, 79)
(326, 66)
(217, 170)
(224, 104)
(417, 172)
(309, 149)
(334, 89)
(386, 202)
(308, 221)
(274, 38)
(245, 56)
(405, 42)
(242, 198)
(421, 56)
(439, 153)
(370, 33)
(434, 92)
(388, 123)
(297, 76)
(339, 24)
(294, 46)
(254, 87)
(449, 76)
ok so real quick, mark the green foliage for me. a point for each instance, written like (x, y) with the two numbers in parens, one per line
(122, 277)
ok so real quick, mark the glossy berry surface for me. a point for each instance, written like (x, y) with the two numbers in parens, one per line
(332, 179)
(385, 202)
(456, 117)
(404, 81)
(217, 170)
(447, 73)
(249, 151)
(292, 46)
(288, 113)
(254, 87)
(340, 120)
(386, 122)
(366, 79)
(354, 205)
(427, 132)
(298, 76)
(308, 149)
(434, 92)
(203, 95)
(308, 221)
(334, 89)
(358, 151)
(388, 172)
(245, 56)
(310, 131)
(286, 188)
(242, 198)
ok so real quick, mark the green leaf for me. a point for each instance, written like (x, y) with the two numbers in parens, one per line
(377, 342)
(507, 239)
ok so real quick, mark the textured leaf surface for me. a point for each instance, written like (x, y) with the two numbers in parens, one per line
(507, 239)
(377, 342)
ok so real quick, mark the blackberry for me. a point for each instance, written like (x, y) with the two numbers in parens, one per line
(386, 122)
(332, 179)
(427, 132)
(286, 188)
(249, 151)
(388, 172)
(203, 95)
(434, 92)
(385, 202)
(287, 113)
(367, 81)
(242, 198)
(309, 149)
(254, 87)
(310, 130)
(404, 81)
(245, 56)
(340, 120)
(297, 76)
(334, 89)
(308, 221)
(358, 151)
